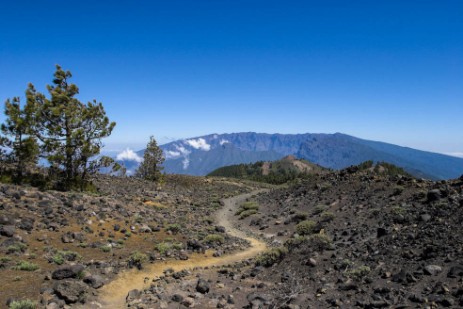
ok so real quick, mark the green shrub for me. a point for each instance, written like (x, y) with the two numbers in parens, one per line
(5, 259)
(320, 242)
(61, 256)
(271, 256)
(247, 209)
(358, 273)
(174, 228)
(106, 248)
(300, 216)
(214, 239)
(295, 242)
(398, 210)
(319, 209)
(163, 247)
(26, 266)
(247, 213)
(22, 304)
(138, 258)
(16, 248)
(305, 227)
(177, 246)
(58, 259)
(327, 216)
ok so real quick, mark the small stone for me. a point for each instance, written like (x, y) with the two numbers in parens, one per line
(188, 302)
(432, 270)
(425, 217)
(7, 230)
(132, 295)
(455, 272)
(94, 281)
(177, 298)
(311, 262)
(202, 286)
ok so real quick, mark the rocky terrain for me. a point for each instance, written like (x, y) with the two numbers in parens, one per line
(349, 239)
(60, 248)
(356, 238)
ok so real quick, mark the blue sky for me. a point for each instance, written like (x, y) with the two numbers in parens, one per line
(382, 70)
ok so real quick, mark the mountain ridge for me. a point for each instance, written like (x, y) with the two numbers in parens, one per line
(202, 154)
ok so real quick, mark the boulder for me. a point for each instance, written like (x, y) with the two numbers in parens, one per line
(202, 286)
(67, 271)
(71, 291)
(7, 230)
(94, 281)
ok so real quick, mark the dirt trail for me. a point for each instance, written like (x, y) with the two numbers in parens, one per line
(113, 294)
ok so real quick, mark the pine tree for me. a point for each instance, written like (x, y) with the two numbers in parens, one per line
(18, 131)
(69, 130)
(151, 167)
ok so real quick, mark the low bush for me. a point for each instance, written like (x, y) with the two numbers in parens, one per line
(22, 304)
(174, 228)
(138, 258)
(214, 239)
(358, 273)
(320, 242)
(326, 216)
(306, 227)
(26, 266)
(271, 256)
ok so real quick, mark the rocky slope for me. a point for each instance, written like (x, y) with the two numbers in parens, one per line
(59, 248)
(356, 238)
(348, 239)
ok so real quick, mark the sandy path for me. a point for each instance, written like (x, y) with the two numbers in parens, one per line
(113, 294)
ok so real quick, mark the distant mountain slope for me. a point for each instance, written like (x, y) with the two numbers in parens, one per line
(202, 155)
(275, 172)
(203, 162)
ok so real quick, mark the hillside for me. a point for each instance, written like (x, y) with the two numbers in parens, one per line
(202, 155)
(367, 236)
(274, 172)
(357, 238)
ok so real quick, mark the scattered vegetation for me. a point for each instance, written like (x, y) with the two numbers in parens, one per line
(16, 248)
(247, 209)
(320, 242)
(326, 216)
(306, 227)
(23, 304)
(358, 273)
(214, 239)
(138, 258)
(271, 256)
(62, 256)
(276, 172)
(174, 228)
(26, 266)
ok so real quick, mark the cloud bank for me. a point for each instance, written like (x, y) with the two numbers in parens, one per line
(129, 155)
(455, 154)
(199, 143)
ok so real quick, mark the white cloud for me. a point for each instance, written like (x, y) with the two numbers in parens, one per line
(171, 154)
(129, 155)
(455, 154)
(182, 150)
(186, 163)
(199, 143)
(223, 141)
